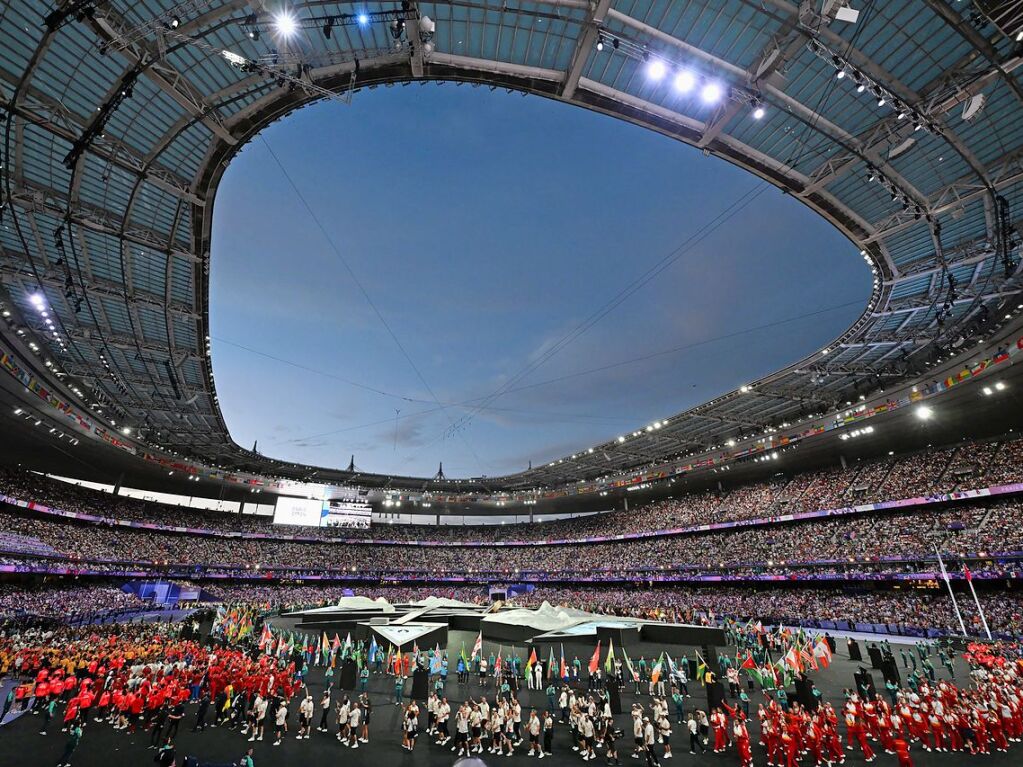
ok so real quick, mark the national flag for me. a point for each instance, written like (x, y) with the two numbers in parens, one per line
(748, 663)
(346, 648)
(822, 652)
(967, 573)
(552, 666)
(672, 668)
(701, 669)
(658, 669)
(628, 664)
(562, 668)
(595, 660)
(435, 663)
(610, 660)
(371, 656)
(266, 637)
(792, 660)
(397, 663)
(477, 648)
(324, 647)
(464, 657)
(531, 661)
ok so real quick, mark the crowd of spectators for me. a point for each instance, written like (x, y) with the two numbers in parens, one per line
(921, 608)
(939, 470)
(964, 530)
(905, 608)
(67, 602)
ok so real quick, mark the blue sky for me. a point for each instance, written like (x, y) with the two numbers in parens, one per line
(485, 227)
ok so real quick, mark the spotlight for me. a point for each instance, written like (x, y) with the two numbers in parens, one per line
(285, 23)
(711, 93)
(924, 413)
(841, 74)
(685, 81)
(655, 69)
(758, 112)
(860, 88)
(363, 19)
(1000, 386)
(600, 43)
(253, 34)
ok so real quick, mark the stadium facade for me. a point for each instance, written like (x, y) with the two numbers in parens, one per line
(120, 124)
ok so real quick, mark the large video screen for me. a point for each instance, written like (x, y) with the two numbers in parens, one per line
(298, 511)
(345, 512)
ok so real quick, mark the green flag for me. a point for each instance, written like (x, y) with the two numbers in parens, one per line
(628, 664)
(610, 660)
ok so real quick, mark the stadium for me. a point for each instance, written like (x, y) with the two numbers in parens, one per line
(814, 564)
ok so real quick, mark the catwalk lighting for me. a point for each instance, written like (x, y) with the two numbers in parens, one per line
(37, 301)
(285, 24)
(711, 93)
(685, 81)
(655, 70)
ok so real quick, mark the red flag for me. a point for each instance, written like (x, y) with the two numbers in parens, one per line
(749, 663)
(966, 572)
(595, 660)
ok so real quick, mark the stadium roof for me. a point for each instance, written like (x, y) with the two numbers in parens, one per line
(903, 127)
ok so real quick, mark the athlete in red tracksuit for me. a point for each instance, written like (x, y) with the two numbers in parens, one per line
(902, 752)
(741, 737)
(855, 731)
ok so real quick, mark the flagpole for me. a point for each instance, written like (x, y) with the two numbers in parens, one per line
(980, 610)
(948, 583)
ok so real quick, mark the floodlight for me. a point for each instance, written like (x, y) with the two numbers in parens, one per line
(655, 69)
(924, 413)
(285, 24)
(684, 81)
(711, 93)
